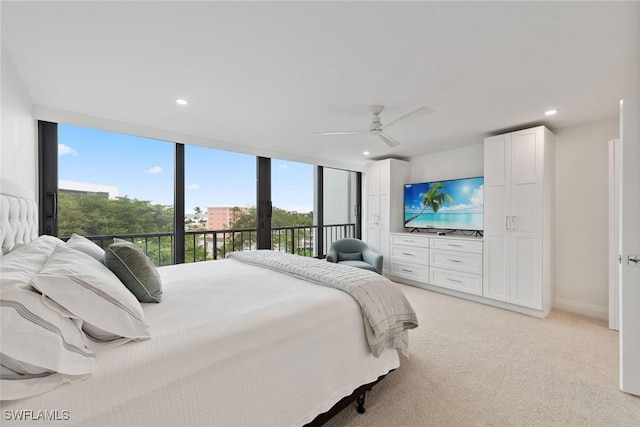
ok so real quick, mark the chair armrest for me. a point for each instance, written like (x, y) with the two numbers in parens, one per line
(332, 255)
(373, 258)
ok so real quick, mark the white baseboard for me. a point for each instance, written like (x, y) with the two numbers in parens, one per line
(591, 310)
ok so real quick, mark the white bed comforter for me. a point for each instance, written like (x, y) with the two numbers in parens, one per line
(232, 344)
(387, 313)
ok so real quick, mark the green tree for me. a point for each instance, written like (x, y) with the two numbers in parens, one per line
(91, 215)
(290, 240)
(433, 198)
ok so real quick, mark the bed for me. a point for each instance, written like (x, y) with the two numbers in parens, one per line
(231, 343)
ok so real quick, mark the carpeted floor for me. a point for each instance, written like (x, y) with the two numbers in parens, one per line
(473, 364)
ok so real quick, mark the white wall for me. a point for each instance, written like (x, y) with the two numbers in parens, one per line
(581, 217)
(18, 148)
(462, 162)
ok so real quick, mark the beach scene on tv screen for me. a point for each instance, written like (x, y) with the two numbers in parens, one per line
(450, 204)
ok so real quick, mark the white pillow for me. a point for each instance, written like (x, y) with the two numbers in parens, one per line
(40, 348)
(48, 243)
(19, 266)
(86, 246)
(92, 293)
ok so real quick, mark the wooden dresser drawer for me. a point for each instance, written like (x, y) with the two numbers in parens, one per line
(419, 273)
(410, 253)
(457, 245)
(406, 240)
(459, 261)
(464, 282)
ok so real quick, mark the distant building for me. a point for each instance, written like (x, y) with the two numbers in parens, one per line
(75, 187)
(223, 217)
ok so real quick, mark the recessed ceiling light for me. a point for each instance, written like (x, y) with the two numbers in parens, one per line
(181, 101)
(550, 112)
(366, 153)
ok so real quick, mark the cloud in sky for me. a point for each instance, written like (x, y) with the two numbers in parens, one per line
(461, 208)
(283, 166)
(194, 187)
(65, 149)
(154, 170)
(477, 198)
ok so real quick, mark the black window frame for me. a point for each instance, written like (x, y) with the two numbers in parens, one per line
(48, 194)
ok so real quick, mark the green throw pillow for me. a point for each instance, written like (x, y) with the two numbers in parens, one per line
(134, 268)
(349, 256)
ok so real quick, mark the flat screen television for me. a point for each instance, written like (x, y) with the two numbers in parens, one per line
(455, 204)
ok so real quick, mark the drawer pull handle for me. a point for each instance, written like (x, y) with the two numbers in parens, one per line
(452, 244)
(453, 260)
(408, 271)
(406, 253)
(454, 280)
(409, 241)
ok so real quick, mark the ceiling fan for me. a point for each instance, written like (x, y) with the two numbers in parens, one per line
(376, 128)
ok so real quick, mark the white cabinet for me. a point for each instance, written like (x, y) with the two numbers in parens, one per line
(456, 264)
(518, 207)
(385, 181)
(409, 257)
(458, 281)
(446, 262)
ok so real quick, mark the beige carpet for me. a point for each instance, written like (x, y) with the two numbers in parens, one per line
(473, 364)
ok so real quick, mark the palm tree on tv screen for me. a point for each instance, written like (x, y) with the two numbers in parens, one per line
(433, 198)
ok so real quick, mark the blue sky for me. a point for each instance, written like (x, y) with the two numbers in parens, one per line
(467, 194)
(143, 168)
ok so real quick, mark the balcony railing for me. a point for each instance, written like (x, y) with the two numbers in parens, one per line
(202, 245)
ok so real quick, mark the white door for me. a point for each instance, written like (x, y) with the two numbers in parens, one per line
(497, 188)
(630, 247)
(615, 173)
(373, 196)
(525, 217)
(384, 192)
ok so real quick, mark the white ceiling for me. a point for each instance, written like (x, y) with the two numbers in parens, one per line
(267, 75)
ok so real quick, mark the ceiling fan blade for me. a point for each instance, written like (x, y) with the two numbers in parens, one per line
(417, 112)
(391, 142)
(342, 132)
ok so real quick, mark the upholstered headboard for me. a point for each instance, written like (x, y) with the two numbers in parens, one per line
(18, 215)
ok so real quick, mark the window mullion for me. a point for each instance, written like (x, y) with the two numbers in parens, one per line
(48, 177)
(264, 205)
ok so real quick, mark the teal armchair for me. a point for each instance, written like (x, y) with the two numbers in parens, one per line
(355, 253)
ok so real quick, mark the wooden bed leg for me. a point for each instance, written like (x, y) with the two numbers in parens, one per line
(360, 402)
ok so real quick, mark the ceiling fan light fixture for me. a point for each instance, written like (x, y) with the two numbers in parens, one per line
(376, 128)
(181, 101)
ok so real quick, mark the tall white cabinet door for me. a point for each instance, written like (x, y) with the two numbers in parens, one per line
(384, 193)
(385, 182)
(497, 170)
(527, 154)
(377, 209)
(373, 196)
(518, 187)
